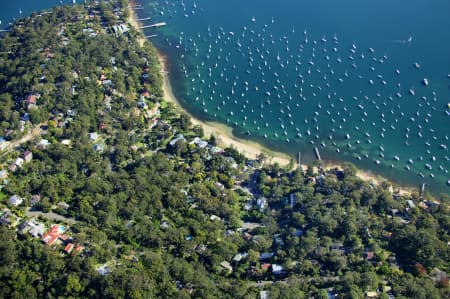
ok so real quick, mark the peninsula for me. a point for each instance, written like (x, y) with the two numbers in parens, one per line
(110, 190)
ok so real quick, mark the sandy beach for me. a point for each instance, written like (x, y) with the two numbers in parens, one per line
(249, 148)
(222, 133)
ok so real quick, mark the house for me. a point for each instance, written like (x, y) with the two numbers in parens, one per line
(231, 161)
(178, 138)
(369, 255)
(153, 111)
(410, 204)
(143, 105)
(27, 156)
(214, 218)
(26, 117)
(34, 228)
(43, 144)
(226, 265)
(337, 246)
(103, 269)
(219, 185)
(38, 230)
(152, 123)
(119, 30)
(216, 150)
(266, 255)
(53, 234)
(3, 174)
(240, 256)
(3, 143)
(277, 269)
(261, 203)
(298, 232)
(19, 162)
(278, 240)
(9, 219)
(31, 100)
(69, 248)
(101, 126)
(292, 200)
(372, 294)
(265, 266)
(201, 248)
(99, 148)
(78, 249)
(21, 125)
(247, 236)
(15, 200)
(93, 136)
(12, 167)
(63, 205)
(199, 142)
(248, 205)
(164, 125)
(264, 295)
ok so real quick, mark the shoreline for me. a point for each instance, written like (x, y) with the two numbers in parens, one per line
(223, 133)
(251, 149)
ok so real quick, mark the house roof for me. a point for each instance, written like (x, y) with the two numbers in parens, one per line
(53, 234)
(226, 265)
(30, 99)
(69, 247)
(276, 269)
(15, 200)
(265, 266)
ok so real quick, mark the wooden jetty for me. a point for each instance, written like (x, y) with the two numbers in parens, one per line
(299, 158)
(316, 151)
(136, 7)
(422, 189)
(161, 24)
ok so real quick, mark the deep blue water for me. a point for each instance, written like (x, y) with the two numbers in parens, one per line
(339, 75)
(295, 74)
(16, 9)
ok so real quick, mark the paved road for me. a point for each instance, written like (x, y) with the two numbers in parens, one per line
(50, 216)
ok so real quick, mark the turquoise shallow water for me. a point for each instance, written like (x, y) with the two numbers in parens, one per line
(339, 75)
(299, 74)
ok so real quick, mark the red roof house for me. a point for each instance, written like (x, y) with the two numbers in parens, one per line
(69, 247)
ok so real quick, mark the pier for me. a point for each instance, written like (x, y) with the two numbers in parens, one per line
(422, 189)
(299, 158)
(135, 7)
(151, 36)
(161, 24)
(316, 151)
(144, 19)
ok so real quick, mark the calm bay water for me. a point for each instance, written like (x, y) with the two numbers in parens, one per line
(344, 76)
(16, 9)
(294, 75)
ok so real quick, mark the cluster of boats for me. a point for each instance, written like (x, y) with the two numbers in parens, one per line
(298, 88)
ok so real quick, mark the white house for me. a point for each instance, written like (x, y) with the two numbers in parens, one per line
(19, 162)
(93, 136)
(277, 269)
(15, 200)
